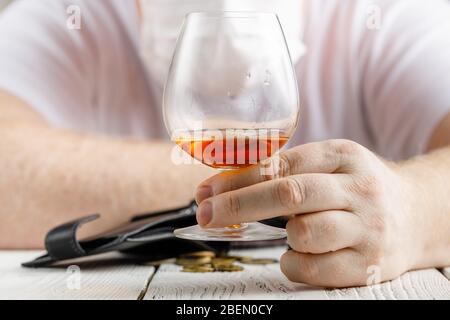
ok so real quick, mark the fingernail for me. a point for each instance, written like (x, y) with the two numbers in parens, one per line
(202, 193)
(204, 213)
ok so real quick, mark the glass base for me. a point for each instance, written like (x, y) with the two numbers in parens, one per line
(254, 231)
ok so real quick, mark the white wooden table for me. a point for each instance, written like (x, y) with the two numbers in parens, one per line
(116, 278)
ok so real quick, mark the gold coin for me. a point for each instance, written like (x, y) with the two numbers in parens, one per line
(193, 261)
(222, 261)
(258, 261)
(243, 259)
(236, 258)
(198, 254)
(199, 269)
(228, 268)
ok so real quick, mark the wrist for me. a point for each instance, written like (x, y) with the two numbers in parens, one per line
(421, 212)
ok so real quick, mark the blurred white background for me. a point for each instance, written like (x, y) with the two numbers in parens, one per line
(3, 3)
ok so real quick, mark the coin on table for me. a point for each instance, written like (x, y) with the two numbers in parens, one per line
(222, 261)
(258, 261)
(198, 269)
(242, 258)
(228, 268)
(192, 261)
(236, 258)
(199, 254)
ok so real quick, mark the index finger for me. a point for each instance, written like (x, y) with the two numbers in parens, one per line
(319, 157)
(282, 197)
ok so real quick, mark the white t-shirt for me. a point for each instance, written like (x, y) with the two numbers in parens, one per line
(386, 88)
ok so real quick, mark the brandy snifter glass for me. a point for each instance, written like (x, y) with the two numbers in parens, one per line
(231, 100)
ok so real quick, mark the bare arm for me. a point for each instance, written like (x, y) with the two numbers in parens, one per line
(50, 175)
(430, 174)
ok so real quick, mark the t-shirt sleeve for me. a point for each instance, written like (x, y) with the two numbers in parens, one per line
(42, 61)
(406, 81)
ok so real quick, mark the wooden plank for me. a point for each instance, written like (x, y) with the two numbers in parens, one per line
(267, 282)
(112, 277)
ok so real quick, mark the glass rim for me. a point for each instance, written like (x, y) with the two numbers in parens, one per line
(231, 14)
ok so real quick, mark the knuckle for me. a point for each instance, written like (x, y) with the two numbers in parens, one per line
(284, 165)
(302, 227)
(233, 206)
(368, 186)
(299, 235)
(230, 184)
(290, 193)
(288, 163)
(346, 147)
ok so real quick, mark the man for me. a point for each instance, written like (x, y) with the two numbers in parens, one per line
(81, 129)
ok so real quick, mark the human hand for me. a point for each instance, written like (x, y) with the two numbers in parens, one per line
(348, 210)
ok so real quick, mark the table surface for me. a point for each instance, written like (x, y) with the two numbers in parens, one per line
(115, 277)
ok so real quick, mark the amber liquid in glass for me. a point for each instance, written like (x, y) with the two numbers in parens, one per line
(231, 149)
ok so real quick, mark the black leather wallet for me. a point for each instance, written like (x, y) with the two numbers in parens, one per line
(147, 236)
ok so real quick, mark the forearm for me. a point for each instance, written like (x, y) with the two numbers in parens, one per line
(49, 176)
(429, 176)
